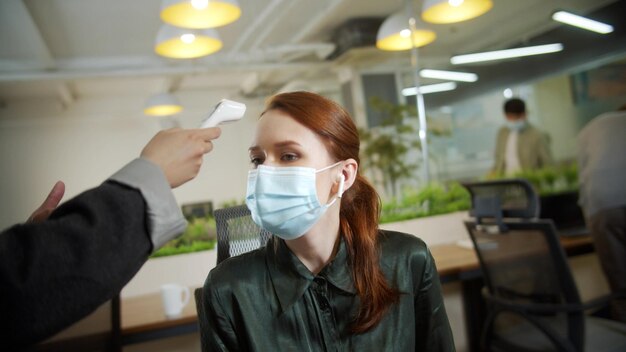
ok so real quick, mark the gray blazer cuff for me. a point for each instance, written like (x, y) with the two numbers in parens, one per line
(165, 218)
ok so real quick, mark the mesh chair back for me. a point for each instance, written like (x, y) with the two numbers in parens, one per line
(514, 198)
(237, 233)
(525, 264)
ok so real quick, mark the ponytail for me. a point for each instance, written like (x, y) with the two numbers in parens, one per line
(359, 226)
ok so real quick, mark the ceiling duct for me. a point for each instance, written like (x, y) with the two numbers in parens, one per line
(355, 33)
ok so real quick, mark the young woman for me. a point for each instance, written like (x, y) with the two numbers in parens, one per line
(329, 279)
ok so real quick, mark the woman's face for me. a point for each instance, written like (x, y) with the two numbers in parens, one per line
(282, 141)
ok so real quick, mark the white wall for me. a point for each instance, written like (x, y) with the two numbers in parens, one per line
(40, 142)
(83, 145)
(556, 109)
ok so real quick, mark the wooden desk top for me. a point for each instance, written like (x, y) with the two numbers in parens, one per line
(452, 259)
(145, 313)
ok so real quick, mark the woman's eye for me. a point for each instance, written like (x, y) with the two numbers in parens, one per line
(289, 157)
(256, 161)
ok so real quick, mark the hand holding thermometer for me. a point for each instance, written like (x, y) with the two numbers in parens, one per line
(225, 111)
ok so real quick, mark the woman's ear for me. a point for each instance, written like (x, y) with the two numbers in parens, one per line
(348, 171)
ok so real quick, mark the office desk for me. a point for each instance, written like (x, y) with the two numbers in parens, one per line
(143, 318)
(457, 263)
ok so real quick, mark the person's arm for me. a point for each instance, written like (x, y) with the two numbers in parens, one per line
(545, 156)
(164, 217)
(432, 329)
(55, 271)
(216, 330)
(498, 153)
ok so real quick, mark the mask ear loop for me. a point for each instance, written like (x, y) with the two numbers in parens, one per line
(339, 191)
(341, 182)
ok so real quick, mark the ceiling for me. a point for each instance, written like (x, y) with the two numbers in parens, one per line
(70, 49)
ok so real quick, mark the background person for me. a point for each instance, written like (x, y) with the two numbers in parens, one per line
(65, 262)
(329, 279)
(519, 145)
(602, 178)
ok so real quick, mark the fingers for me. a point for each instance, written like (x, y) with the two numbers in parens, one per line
(179, 152)
(208, 134)
(50, 203)
(208, 147)
(54, 197)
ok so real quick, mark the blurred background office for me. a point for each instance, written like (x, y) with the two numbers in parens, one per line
(79, 81)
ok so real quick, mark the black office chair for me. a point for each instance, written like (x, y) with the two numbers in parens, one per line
(511, 198)
(236, 234)
(532, 300)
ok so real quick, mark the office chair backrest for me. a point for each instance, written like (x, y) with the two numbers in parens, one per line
(522, 260)
(526, 264)
(237, 233)
(510, 198)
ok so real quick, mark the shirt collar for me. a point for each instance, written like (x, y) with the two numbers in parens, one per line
(291, 278)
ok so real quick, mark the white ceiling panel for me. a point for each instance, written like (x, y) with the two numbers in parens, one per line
(103, 47)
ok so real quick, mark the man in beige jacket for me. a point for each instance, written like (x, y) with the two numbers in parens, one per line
(519, 145)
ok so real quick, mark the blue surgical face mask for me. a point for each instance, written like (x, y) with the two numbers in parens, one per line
(516, 125)
(283, 200)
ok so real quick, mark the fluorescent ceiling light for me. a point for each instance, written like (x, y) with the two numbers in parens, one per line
(506, 54)
(431, 88)
(582, 22)
(449, 75)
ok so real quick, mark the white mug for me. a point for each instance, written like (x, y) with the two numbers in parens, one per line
(175, 298)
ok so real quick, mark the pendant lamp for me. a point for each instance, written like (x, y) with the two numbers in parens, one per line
(164, 104)
(182, 43)
(394, 34)
(200, 13)
(451, 11)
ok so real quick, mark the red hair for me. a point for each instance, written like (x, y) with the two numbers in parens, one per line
(360, 204)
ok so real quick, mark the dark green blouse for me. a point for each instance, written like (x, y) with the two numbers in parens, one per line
(267, 300)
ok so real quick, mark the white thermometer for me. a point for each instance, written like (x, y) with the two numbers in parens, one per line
(224, 112)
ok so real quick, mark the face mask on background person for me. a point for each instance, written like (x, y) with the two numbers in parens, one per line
(516, 125)
(283, 200)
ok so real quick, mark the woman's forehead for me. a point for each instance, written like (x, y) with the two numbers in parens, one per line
(276, 126)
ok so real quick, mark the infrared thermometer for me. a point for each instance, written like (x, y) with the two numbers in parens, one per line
(224, 112)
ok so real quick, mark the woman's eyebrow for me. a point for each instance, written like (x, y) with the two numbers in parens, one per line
(256, 148)
(287, 143)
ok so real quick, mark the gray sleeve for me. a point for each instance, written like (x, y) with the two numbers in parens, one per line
(165, 219)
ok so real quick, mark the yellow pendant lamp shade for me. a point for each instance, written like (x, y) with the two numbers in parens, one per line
(200, 13)
(163, 104)
(451, 11)
(181, 43)
(395, 35)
